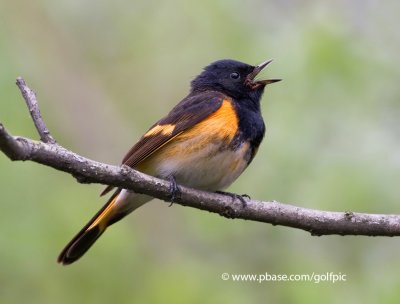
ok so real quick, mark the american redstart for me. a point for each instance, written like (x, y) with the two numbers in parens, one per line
(205, 142)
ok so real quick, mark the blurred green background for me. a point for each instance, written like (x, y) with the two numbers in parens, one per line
(104, 71)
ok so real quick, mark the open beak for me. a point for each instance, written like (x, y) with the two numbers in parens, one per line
(254, 84)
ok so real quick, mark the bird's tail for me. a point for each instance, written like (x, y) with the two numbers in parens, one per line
(118, 206)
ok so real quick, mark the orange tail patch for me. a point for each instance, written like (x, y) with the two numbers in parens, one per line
(81, 243)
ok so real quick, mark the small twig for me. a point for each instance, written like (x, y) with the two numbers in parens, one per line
(31, 102)
(88, 171)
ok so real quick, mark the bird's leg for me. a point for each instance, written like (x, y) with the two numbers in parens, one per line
(233, 196)
(174, 189)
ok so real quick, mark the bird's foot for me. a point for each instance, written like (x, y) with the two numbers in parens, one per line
(241, 197)
(174, 189)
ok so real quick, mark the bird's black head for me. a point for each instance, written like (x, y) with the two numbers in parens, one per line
(234, 78)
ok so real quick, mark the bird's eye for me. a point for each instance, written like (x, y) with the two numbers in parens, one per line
(235, 75)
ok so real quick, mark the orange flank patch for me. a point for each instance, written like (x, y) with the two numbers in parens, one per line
(220, 125)
(199, 146)
(163, 129)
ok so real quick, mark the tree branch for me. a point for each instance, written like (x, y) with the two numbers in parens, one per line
(48, 153)
(31, 102)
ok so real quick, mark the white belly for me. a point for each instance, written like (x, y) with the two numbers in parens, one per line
(209, 168)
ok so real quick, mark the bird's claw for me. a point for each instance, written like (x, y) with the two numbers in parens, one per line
(174, 189)
(241, 197)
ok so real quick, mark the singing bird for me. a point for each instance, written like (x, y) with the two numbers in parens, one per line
(205, 142)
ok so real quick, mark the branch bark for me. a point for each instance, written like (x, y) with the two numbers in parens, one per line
(31, 102)
(49, 153)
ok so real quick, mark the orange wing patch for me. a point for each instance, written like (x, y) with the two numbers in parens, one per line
(161, 129)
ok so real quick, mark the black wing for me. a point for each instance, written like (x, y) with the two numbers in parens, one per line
(190, 111)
